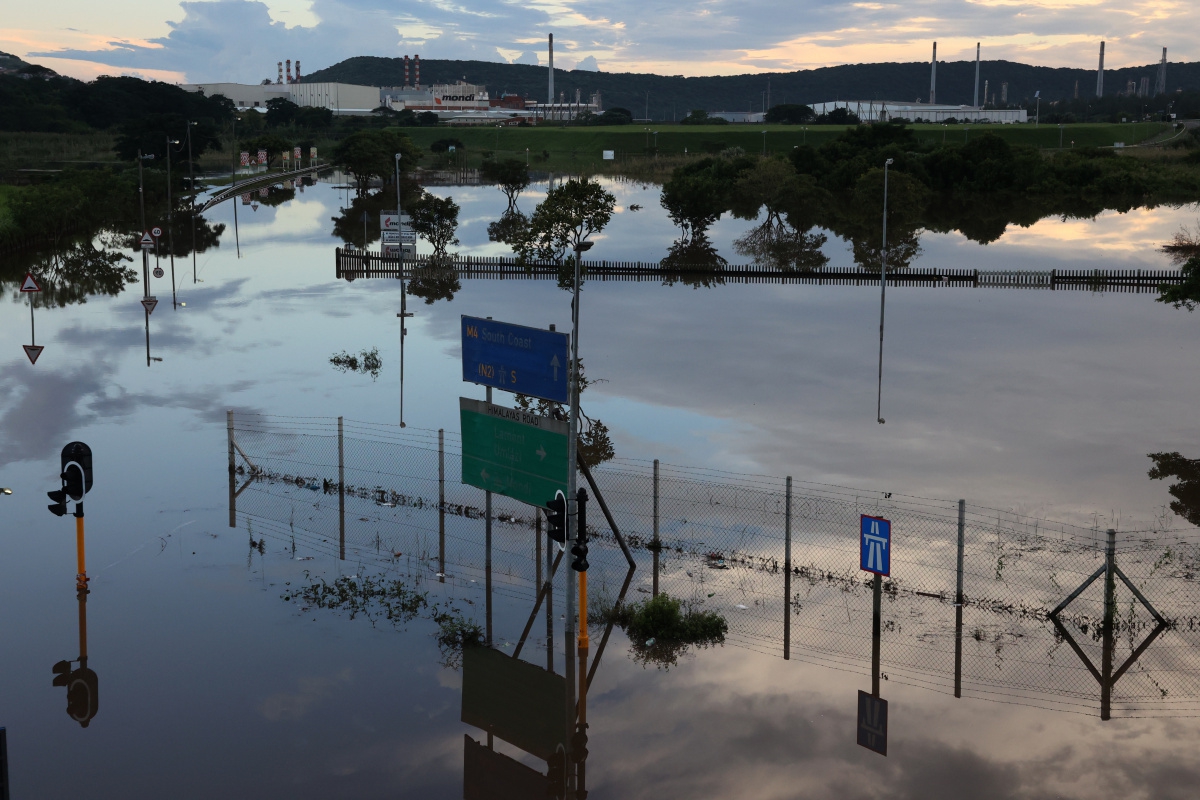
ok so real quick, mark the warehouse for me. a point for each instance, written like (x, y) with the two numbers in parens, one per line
(883, 110)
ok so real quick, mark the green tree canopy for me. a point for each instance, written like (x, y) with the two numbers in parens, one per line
(436, 220)
(571, 212)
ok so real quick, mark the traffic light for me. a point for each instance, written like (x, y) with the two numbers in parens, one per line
(76, 460)
(579, 751)
(59, 507)
(83, 690)
(556, 776)
(556, 518)
(579, 548)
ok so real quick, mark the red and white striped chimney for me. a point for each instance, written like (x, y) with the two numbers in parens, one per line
(289, 70)
(406, 71)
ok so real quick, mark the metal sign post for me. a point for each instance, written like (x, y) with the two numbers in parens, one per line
(32, 350)
(875, 556)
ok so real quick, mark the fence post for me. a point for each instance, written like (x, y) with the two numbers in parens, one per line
(1110, 613)
(537, 547)
(958, 601)
(232, 470)
(341, 494)
(656, 545)
(787, 572)
(441, 505)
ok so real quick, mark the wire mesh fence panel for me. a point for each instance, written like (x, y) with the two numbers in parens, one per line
(719, 542)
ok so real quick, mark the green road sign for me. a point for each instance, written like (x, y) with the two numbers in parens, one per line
(512, 452)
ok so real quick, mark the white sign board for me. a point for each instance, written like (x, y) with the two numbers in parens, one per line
(609, 155)
(390, 221)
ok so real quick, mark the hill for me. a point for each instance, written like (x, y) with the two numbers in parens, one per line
(665, 97)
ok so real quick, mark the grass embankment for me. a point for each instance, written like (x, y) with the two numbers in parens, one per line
(582, 148)
(39, 150)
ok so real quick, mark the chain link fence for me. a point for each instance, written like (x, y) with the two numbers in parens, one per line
(374, 493)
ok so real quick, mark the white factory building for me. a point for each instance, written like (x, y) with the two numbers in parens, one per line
(883, 110)
(340, 98)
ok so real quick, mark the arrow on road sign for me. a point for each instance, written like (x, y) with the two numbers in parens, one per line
(554, 363)
(33, 351)
(150, 303)
(147, 241)
(29, 284)
(541, 453)
(483, 474)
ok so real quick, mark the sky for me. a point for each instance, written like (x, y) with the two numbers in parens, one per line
(241, 40)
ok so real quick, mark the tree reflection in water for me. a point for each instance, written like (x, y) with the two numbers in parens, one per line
(73, 274)
(777, 244)
(434, 282)
(1186, 490)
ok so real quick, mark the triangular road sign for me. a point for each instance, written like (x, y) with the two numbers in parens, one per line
(150, 303)
(33, 351)
(147, 240)
(29, 284)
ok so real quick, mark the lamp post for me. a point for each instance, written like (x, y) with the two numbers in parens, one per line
(1060, 135)
(764, 133)
(192, 187)
(882, 294)
(804, 136)
(404, 313)
(170, 221)
(572, 481)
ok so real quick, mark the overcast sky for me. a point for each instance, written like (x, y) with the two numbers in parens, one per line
(241, 40)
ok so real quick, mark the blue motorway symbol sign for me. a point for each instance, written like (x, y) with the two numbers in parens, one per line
(872, 722)
(515, 358)
(875, 545)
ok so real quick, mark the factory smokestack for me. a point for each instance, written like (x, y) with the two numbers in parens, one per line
(417, 68)
(279, 80)
(289, 70)
(1160, 83)
(977, 74)
(933, 77)
(1100, 74)
(406, 84)
(551, 90)
(297, 70)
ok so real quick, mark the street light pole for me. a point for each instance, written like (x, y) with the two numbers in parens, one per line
(142, 208)
(403, 315)
(171, 222)
(192, 187)
(882, 294)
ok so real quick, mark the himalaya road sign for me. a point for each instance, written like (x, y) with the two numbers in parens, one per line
(875, 545)
(512, 452)
(872, 722)
(515, 358)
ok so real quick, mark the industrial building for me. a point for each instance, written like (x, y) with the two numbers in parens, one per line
(340, 98)
(884, 110)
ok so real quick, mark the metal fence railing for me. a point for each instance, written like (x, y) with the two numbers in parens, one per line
(719, 541)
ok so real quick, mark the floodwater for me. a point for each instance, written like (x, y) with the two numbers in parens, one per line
(1035, 404)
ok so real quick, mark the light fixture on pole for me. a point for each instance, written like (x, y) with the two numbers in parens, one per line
(882, 293)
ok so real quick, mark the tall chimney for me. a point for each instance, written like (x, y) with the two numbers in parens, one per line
(977, 74)
(279, 80)
(551, 91)
(1160, 83)
(985, 92)
(933, 77)
(289, 70)
(417, 67)
(1100, 74)
(406, 71)
(297, 70)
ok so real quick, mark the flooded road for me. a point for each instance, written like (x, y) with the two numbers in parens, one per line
(1029, 405)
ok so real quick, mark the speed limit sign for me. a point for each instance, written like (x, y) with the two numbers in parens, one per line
(158, 272)
(157, 232)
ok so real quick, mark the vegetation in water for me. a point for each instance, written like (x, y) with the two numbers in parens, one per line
(663, 628)
(1186, 489)
(366, 362)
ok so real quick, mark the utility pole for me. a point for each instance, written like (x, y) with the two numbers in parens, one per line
(192, 187)
(403, 315)
(170, 222)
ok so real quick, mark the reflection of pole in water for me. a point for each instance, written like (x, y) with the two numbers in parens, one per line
(876, 600)
(192, 188)
(958, 602)
(487, 537)
(882, 294)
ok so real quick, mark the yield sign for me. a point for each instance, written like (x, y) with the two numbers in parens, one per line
(150, 303)
(33, 351)
(29, 284)
(147, 241)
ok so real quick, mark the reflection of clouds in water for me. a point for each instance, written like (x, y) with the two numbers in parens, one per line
(311, 690)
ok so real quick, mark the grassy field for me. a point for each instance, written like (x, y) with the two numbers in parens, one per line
(6, 192)
(33, 150)
(584, 145)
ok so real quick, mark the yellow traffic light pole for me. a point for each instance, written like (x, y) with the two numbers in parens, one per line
(81, 578)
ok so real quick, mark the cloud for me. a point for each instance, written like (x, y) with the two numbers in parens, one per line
(240, 40)
(588, 65)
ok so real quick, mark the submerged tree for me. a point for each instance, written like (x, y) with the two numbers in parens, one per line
(1186, 490)
(436, 220)
(434, 282)
(571, 212)
(1186, 294)
(511, 174)
(367, 362)
(693, 261)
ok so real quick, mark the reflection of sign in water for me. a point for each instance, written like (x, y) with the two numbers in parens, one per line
(872, 722)
(512, 452)
(514, 700)
(609, 155)
(262, 156)
(515, 358)
(296, 153)
(312, 153)
(488, 775)
(390, 220)
(875, 545)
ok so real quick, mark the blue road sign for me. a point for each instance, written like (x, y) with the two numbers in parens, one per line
(875, 545)
(515, 358)
(872, 722)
